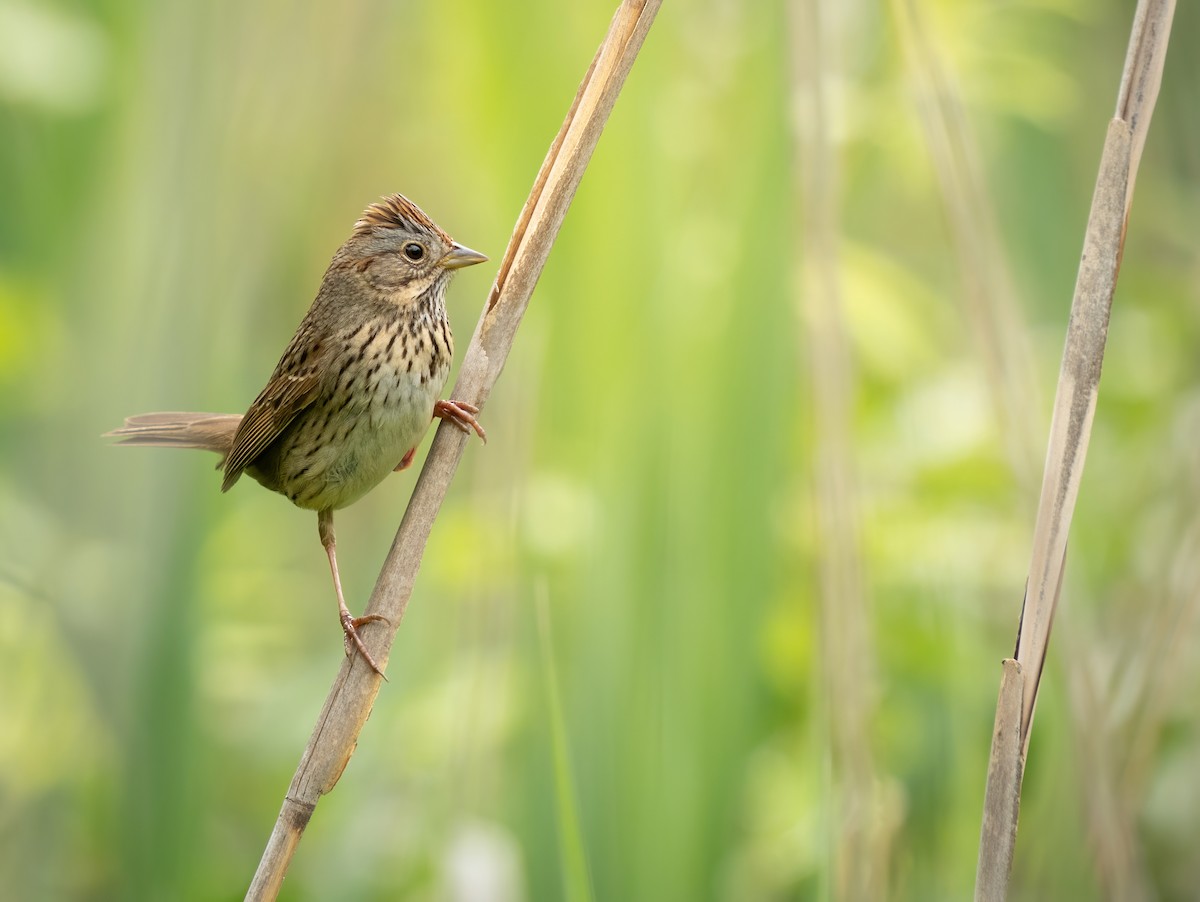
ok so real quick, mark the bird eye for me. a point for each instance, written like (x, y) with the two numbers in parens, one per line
(414, 251)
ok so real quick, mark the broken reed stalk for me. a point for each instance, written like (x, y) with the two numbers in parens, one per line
(353, 693)
(1070, 428)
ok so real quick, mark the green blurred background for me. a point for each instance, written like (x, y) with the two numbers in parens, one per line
(622, 675)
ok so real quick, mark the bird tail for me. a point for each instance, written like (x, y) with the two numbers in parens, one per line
(207, 431)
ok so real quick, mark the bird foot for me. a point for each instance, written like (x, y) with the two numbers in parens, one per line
(462, 415)
(406, 460)
(350, 626)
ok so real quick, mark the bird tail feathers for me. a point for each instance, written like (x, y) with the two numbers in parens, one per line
(206, 431)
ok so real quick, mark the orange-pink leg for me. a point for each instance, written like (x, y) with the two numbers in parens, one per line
(461, 414)
(406, 461)
(350, 624)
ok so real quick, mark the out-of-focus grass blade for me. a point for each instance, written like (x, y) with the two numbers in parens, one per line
(858, 865)
(577, 885)
(991, 307)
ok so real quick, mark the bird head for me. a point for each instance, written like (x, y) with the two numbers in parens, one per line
(401, 252)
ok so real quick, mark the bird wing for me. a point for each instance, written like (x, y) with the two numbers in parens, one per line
(293, 386)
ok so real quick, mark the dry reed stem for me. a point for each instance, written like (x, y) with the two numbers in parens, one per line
(1070, 428)
(1001, 336)
(1079, 378)
(1001, 805)
(353, 693)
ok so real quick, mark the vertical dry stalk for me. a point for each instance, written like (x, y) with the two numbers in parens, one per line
(1074, 409)
(353, 693)
(1001, 804)
(1002, 338)
(859, 835)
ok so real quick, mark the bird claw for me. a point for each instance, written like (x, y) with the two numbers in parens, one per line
(354, 641)
(462, 415)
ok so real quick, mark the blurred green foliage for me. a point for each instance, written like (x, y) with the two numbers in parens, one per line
(174, 179)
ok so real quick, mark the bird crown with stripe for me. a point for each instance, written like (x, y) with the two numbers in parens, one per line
(397, 212)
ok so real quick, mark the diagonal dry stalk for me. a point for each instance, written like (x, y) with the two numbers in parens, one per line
(1070, 428)
(353, 693)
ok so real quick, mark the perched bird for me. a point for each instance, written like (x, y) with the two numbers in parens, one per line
(357, 387)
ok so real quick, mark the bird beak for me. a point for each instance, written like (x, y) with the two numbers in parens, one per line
(460, 256)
